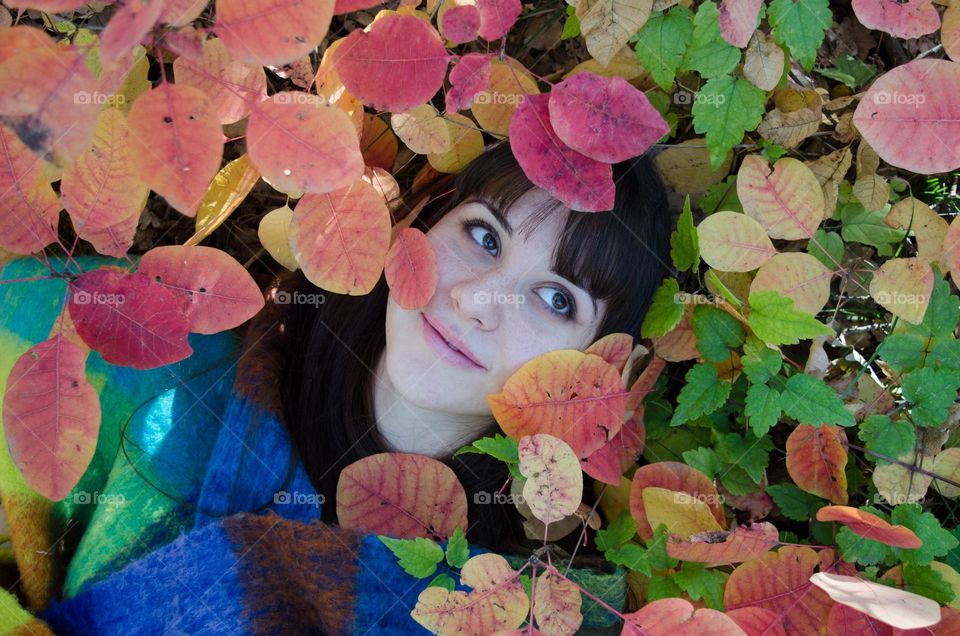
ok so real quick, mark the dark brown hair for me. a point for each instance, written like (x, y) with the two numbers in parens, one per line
(331, 349)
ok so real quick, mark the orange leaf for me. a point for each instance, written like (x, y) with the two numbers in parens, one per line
(677, 477)
(615, 348)
(497, 601)
(787, 201)
(780, 582)
(177, 143)
(341, 238)
(20, 38)
(272, 32)
(797, 275)
(404, 495)
(411, 269)
(378, 143)
(677, 617)
(230, 85)
(31, 209)
(569, 394)
(51, 416)
(816, 458)
(743, 544)
(870, 526)
(300, 144)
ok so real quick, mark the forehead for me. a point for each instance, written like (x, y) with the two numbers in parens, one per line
(534, 218)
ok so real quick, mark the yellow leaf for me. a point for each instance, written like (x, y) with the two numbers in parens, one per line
(227, 190)
(903, 286)
(274, 233)
(681, 512)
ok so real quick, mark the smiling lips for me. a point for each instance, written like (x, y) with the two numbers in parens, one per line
(463, 356)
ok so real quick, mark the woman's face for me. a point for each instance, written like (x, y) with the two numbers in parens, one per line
(498, 296)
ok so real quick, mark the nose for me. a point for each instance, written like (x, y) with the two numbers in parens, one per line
(475, 298)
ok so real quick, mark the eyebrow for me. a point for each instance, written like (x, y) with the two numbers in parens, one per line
(505, 224)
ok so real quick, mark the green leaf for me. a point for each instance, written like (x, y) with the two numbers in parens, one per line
(418, 557)
(865, 227)
(721, 196)
(892, 438)
(925, 581)
(571, 26)
(725, 108)
(665, 312)
(937, 542)
(800, 26)
(750, 453)
(762, 408)
(932, 391)
(661, 42)
(617, 533)
(760, 362)
(684, 243)
(849, 70)
(943, 312)
(717, 332)
(631, 556)
(702, 394)
(457, 550)
(703, 459)
(809, 400)
(709, 54)
(657, 550)
(443, 580)
(902, 351)
(701, 582)
(794, 503)
(775, 320)
(659, 587)
(503, 448)
(737, 481)
(856, 549)
(826, 247)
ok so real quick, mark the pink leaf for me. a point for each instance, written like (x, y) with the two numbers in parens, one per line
(30, 209)
(908, 19)
(497, 16)
(51, 416)
(757, 621)
(129, 319)
(468, 78)
(132, 20)
(461, 24)
(346, 6)
(738, 20)
(678, 617)
(604, 118)
(579, 182)
(217, 291)
(400, 63)
(411, 269)
(272, 32)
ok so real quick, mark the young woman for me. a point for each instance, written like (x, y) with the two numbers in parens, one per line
(519, 275)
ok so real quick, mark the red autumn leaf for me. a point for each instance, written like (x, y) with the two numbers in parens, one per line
(217, 292)
(411, 269)
(566, 393)
(51, 416)
(20, 38)
(50, 6)
(579, 182)
(300, 144)
(907, 19)
(615, 348)
(461, 23)
(403, 495)
(677, 477)
(341, 238)
(179, 13)
(847, 620)
(47, 98)
(348, 6)
(744, 543)
(177, 143)
(738, 20)
(678, 617)
(870, 526)
(272, 32)
(30, 207)
(469, 77)
(128, 319)
(132, 20)
(229, 84)
(101, 190)
(400, 63)
(497, 16)
(909, 111)
(816, 458)
(780, 582)
(604, 118)
(757, 621)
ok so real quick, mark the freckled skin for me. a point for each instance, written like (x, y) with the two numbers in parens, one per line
(503, 336)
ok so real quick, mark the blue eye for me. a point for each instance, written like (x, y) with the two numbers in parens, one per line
(567, 309)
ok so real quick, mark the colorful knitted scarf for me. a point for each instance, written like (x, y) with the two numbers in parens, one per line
(200, 521)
